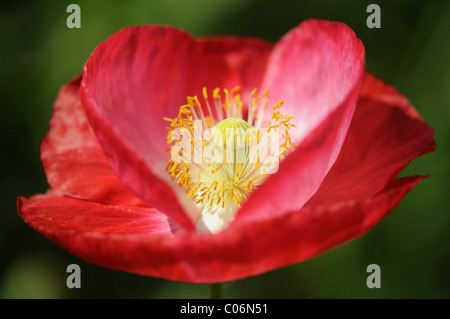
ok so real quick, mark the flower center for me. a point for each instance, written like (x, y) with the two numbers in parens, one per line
(220, 158)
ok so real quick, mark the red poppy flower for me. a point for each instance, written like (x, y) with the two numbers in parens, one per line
(118, 201)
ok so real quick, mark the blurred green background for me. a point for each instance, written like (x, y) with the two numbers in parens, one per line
(411, 51)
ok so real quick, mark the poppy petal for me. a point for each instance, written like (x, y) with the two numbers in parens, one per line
(386, 133)
(59, 213)
(317, 69)
(72, 158)
(140, 240)
(141, 75)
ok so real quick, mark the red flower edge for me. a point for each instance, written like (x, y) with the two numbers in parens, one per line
(92, 215)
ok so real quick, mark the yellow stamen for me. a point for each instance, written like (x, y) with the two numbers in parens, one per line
(216, 93)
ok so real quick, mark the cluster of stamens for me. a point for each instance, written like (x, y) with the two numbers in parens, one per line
(216, 155)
